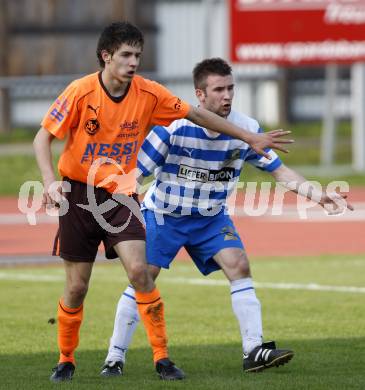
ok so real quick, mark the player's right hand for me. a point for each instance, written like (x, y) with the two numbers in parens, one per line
(52, 194)
(272, 139)
(335, 203)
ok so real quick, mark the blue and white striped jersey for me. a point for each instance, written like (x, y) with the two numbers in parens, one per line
(194, 171)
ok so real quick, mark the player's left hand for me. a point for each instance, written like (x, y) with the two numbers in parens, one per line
(335, 203)
(272, 139)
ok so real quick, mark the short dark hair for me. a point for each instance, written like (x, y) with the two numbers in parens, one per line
(207, 67)
(114, 35)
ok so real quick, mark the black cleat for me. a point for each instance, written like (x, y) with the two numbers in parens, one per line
(266, 356)
(111, 368)
(167, 370)
(62, 372)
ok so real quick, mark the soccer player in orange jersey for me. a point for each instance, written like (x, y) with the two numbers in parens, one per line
(106, 116)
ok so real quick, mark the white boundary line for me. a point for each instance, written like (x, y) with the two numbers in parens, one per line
(272, 286)
(27, 277)
(31, 278)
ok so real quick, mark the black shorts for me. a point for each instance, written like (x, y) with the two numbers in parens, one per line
(80, 232)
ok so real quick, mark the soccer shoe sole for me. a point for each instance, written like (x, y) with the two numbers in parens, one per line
(60, 379)
(167, 379)
(52, 380)
(109, 374)
(179, 375)
(279, 361)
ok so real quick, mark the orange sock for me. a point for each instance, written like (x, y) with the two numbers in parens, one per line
(151, 310)
(69, 321)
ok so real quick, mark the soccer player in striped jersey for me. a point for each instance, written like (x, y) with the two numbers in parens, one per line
(195, 170)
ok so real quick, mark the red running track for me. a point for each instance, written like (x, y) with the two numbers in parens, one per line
(262, 236)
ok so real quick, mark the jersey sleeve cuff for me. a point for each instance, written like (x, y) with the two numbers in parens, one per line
(57, 135)
(274, 165)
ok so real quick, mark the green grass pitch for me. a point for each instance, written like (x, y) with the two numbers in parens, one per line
(326, 329)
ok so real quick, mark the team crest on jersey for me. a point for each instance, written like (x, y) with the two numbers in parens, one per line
(178, 104)
(92, 126)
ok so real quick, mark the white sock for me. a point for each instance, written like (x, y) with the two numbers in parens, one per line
(125, 323)
(247, 309)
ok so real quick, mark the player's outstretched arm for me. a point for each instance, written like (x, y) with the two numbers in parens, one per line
(334, 203)
(258, 142)
(42, 148)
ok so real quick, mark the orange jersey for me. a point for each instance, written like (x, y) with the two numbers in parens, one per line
(99, 125)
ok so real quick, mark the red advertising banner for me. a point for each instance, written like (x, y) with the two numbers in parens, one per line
(293, 32)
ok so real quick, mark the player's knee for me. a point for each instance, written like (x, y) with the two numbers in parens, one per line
(138, 275)
(242, 266)
(244, 269)
(78, 290)
(154, 271)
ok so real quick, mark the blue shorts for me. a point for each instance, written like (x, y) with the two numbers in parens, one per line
(203, 237)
